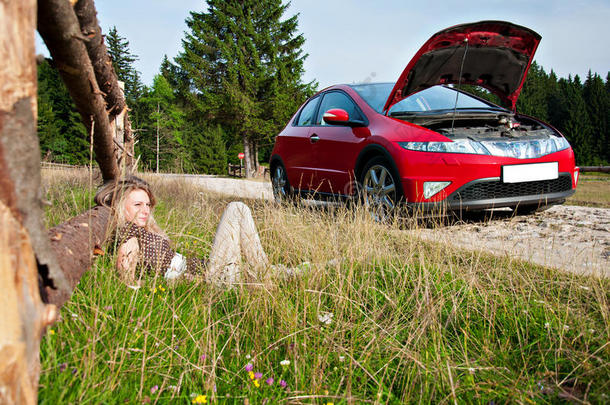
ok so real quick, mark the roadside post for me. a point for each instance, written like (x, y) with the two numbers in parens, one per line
(241, 156)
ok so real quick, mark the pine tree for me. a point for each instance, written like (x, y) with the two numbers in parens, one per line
(575, 125)
(122, 61)
(244, 65)
(598, 105)
(207, 149)
(533, 97)
(63, 137)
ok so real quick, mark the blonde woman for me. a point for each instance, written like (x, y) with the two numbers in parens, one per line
(141, 242)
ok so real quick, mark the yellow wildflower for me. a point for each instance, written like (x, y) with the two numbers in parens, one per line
(251, 375)
(257, 384)
(200, 399)
(51, 332)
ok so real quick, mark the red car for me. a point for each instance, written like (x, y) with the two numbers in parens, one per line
(424, 142)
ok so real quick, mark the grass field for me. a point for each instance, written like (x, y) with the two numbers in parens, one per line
(593, 190)
(391, 320)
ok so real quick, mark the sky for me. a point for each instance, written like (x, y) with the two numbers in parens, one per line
(352, 41)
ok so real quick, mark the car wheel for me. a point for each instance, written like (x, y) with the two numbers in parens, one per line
(281, 187)
(380, 190)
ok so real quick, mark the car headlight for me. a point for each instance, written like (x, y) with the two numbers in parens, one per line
(516, 149)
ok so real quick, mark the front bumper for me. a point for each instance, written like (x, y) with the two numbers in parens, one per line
(489, 193)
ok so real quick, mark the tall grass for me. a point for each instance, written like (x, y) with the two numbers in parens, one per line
(379, 317)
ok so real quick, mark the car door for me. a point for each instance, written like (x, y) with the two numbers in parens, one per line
(298, 156)
(337, 146)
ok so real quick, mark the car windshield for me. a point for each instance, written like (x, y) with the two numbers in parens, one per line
(436, 98)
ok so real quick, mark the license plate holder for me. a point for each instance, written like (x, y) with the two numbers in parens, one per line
(530, 172)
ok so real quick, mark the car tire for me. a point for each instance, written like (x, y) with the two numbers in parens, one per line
(282, 192)
(380, 190)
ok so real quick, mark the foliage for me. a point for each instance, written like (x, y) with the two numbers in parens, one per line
(63, 138)
(392, 320)
(122, 61)
(243, 64)
(165, 121)
(207, 149)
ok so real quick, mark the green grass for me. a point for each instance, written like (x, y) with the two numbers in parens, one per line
(411, 321)
(593, 190)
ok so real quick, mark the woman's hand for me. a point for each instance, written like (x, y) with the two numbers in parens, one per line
(127, 260)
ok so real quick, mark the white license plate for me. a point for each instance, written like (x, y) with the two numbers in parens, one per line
(530, 172)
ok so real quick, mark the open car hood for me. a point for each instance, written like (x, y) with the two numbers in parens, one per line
(492, 54)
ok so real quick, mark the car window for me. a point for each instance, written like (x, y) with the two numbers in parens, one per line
(337, 99)
(437, 98)
(307, 115)
(375, 94)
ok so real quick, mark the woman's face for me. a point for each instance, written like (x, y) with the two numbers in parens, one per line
(137, 207)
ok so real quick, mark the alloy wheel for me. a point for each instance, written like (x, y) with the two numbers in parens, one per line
(379, 192)
(280, 184)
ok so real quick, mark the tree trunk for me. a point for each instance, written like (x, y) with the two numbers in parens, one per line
(254, 152)
(247, 157)
(60, 30)
(108, 83)
(23, 315)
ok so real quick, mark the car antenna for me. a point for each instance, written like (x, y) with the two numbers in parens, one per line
(457, 93)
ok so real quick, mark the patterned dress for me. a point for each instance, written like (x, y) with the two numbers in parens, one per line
(155, 251)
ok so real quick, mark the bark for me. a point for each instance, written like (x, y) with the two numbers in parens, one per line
(23, 315)
(98, 54)
(247, 157)
(107, 82)
(60, 30)
(76, 242)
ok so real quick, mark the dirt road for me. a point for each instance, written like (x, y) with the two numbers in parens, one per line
(566, 237)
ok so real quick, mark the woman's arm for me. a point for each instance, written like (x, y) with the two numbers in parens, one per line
(127, 260)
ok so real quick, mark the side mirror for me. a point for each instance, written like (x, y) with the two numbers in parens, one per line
(338, 116)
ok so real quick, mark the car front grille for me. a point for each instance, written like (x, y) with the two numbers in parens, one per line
(495, 189)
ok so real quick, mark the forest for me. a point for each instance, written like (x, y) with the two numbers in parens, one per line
(238, 80)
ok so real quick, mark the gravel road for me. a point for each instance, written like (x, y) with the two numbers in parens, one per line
(566, 237)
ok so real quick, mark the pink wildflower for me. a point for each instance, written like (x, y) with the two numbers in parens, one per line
(283, 384)
(269, 381)
(249, 367)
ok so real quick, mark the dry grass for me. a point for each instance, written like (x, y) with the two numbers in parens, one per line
(593, 191)
(411, 321)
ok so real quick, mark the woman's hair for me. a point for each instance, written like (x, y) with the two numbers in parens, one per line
(113, 195)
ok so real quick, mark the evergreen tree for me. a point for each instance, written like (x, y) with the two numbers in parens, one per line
(63, 138)
(122, 61)
(598, 105)
(606, 147)
(533, 98)
(575, 125)
(244, 66)
(166, 120)
(207, 150)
